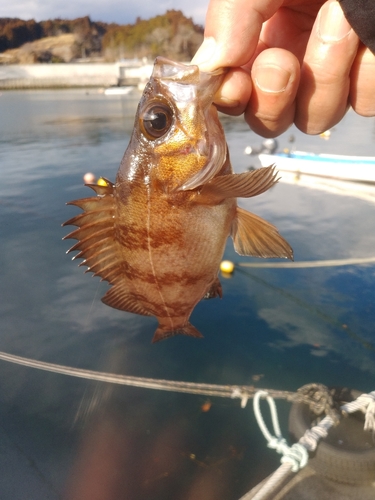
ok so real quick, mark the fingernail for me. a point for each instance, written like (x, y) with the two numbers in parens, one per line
(226, 102)
(205, 55)
(271, 79)
(332, 24)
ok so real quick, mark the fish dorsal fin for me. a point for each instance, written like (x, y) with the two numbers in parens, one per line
(97, 244)
(119, 297)
(256, 237)
(243, 185)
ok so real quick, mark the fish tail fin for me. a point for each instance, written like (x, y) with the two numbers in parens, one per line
(163, 332)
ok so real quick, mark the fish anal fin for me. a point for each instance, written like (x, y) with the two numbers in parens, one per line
(119, 297)
(256, 237)
(214, 291)
(243, 185)
(163, 332)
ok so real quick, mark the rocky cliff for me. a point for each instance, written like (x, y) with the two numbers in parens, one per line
(171, 35)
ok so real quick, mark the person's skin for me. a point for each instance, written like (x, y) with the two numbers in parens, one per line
(291, 61)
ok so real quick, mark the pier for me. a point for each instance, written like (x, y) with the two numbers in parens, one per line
(80, 74)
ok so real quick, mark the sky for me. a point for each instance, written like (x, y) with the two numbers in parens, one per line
(118, 11)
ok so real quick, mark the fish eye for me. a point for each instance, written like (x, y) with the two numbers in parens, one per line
(156, 121)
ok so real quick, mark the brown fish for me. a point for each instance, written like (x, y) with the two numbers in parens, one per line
(158, 234)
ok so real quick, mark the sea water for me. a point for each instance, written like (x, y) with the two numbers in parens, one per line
(276, 328)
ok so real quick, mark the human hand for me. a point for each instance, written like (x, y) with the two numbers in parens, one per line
(291, 61)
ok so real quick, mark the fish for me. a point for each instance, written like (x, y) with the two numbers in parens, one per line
(157, 234)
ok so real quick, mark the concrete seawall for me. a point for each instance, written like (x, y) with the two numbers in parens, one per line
(27, 76)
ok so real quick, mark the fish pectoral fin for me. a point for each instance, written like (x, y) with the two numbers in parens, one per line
(163, 332)
(119, 297)
(254, 236)
(215, 290)
(243, 185)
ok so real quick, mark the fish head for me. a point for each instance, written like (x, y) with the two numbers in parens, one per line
(177, 131)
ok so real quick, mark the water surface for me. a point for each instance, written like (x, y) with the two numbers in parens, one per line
(275, 328)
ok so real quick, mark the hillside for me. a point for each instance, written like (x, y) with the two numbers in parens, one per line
(171, 35)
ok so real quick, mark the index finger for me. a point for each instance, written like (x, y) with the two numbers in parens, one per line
(232, 32)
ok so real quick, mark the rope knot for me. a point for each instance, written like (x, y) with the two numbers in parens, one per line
(279, 444)
(243, 395)
(296, 455)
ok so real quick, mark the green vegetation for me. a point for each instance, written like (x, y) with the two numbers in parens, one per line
(171, 34)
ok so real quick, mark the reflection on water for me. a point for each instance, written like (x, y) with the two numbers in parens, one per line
(277, 328)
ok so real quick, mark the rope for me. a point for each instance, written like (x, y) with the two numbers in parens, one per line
(366, 403)
(243, 392)
(271, 485)
(293, 457)
(310, 263)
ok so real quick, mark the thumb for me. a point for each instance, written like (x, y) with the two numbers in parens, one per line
(232, 32)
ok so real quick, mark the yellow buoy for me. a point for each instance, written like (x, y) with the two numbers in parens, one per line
(227, 266)
(102, 182)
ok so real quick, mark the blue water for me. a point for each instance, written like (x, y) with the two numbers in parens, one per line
(275, 328)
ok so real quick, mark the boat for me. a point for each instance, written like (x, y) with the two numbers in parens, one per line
(341, 167)
(123, 90)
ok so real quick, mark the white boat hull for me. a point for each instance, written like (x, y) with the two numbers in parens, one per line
(351, 168)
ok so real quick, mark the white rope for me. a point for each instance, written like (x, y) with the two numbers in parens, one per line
(293, 458)
(310, 263)
(365, 403)
(296, 456)
(312, 436)
(269, 487)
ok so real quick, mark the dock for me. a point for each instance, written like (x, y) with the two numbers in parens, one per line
(79, 74)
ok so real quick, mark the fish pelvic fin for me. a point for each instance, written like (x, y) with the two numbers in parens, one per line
(216, 290)
(243, 185)
(163, 332)
(256, 237)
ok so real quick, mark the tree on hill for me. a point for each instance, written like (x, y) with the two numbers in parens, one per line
(171, 35)
(15, 32)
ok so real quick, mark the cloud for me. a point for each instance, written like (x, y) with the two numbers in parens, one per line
(111, 11)
(298, 327)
